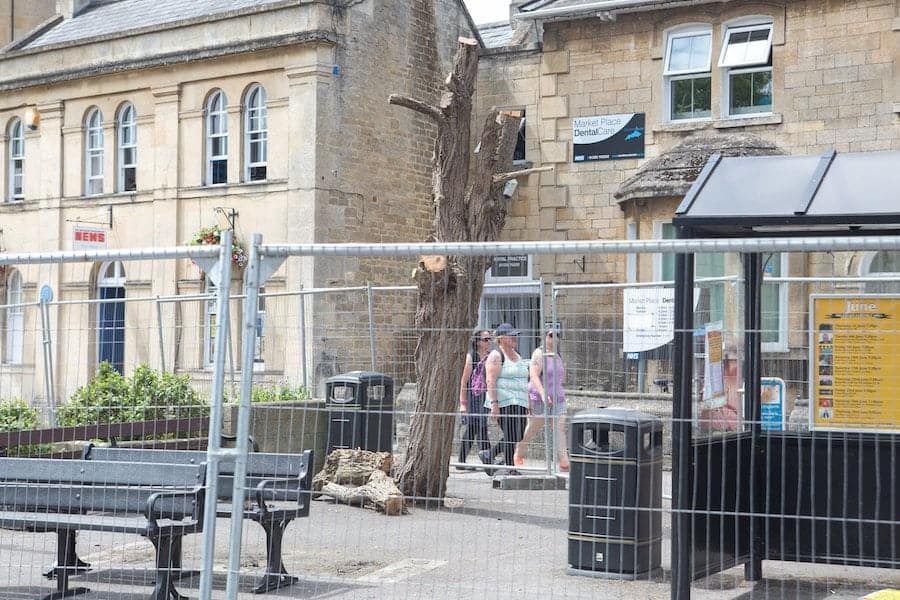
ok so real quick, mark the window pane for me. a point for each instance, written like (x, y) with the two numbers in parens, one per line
(700, 48)
(95, 186)
(680, 55)
(257, 173)
(255, 152)
(519, 152)
(128, 156)
(751, 92)
(691, 98)
(219, 171)
(96, 164)
(219, 146)
(747, 48)
(130, 179)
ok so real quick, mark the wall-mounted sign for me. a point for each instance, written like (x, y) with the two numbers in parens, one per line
(510, 266)
(853, 345)
(649, 318)
(608, 137)
(772, 403)
(88, 238)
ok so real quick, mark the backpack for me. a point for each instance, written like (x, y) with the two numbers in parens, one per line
(478, 381)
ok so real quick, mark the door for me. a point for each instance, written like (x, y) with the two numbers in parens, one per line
(111, 316)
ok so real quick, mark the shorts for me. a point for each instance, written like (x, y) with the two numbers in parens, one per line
(537, 405)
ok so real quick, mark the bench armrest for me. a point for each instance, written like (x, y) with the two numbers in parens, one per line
(154, 498)
(267, 488)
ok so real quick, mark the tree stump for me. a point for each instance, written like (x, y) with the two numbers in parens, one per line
(360, 478)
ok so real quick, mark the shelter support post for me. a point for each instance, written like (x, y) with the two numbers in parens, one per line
(752, 409)
(682, 475)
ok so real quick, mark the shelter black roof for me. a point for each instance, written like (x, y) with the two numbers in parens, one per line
(794, 195)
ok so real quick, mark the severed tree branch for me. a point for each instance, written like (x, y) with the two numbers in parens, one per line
(420, 107)
(501, 177)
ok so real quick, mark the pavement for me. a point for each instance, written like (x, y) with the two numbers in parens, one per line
(486, 543)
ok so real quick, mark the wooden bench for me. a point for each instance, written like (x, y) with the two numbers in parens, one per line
(159, 502)
(270, 478)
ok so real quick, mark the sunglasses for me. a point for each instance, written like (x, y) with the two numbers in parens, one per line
(484, 339)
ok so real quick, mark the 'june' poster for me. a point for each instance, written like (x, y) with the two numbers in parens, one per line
(854, 343)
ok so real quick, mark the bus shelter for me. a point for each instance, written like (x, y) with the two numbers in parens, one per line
(827, 492)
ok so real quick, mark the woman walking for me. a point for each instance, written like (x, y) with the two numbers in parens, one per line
(507, 390)
(472, 388)
(547, 374)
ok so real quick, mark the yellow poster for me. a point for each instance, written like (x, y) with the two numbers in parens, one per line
(855, 362)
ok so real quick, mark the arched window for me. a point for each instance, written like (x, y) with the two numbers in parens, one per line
(746, 60)
(93, 153)
(111, 315)
(217, 138)
(127, 158)
(687, 72)
(256, 135)
(15, 319)
(16, 168)
(883, 264)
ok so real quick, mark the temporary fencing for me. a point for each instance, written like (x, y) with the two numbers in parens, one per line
(805, 486)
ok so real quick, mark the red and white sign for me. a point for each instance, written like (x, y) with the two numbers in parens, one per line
(88, 238)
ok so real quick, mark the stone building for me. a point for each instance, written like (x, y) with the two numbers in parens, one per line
(737, 77)
(138, 123)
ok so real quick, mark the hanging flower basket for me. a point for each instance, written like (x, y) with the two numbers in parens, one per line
(211, 236)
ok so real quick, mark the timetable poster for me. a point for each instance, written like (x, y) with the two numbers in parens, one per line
(854, 358)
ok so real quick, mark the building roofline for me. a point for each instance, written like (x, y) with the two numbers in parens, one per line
(16, 49)
(606, 8)
(255, 45)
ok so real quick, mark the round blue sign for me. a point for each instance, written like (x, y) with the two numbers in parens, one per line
(46, 293)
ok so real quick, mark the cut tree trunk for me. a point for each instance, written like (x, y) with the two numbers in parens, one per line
(360, 477)
(468, 207)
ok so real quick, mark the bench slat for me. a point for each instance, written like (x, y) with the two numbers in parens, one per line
(33, 470)
(39, 522)
(258, 463)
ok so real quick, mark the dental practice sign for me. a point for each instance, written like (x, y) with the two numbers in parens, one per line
(608, 137)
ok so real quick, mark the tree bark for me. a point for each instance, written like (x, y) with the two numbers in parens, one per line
(468, 206)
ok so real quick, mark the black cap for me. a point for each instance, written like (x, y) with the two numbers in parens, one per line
(505, 329)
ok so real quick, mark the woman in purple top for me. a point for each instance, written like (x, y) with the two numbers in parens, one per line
(546, 378)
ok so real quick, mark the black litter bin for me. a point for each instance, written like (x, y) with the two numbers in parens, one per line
(615, 494)
(360, 411)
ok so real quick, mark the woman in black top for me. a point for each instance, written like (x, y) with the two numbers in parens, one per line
(471, 401)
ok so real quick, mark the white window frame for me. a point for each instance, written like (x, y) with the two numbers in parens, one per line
(741, 28)
(658, 256)
(16, 162)
(783, 307)
(631, 259)
(14, 320)
(222, 112)
(116, 280)
(259, 346)
(488, 278)
(726, 93)
(256, 105)
(669, 75)
(210, 320)
(127, 122)
(93, 132)
(745, 67)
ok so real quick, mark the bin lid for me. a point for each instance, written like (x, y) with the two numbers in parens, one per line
(360, 377)
(615, 415)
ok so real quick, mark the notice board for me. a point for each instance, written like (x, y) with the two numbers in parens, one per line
(854, 350)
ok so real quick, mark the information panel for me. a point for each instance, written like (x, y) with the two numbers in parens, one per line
(854, 352)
